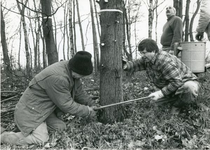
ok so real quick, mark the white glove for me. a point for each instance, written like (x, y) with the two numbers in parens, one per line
(156, 95)
(125, 67)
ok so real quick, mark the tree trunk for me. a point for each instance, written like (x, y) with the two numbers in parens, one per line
(192, 20)
(111, 62)
(95, 40)
(26, 40)
(48, 32)
(187, 20)
(71, 35)
(128, 34)
(7, 67)
(74, 27)
(80, 27)
(150, 20)
(178, 4)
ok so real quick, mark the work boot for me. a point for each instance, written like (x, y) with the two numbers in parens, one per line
(9, 138)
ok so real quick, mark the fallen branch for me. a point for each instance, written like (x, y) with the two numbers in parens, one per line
(92, 89)
(8, 98)
(8, 110)
(4, 80)
(9, 91)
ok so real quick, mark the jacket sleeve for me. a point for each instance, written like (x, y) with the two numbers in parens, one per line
(81, 96)
(58, 89)
(204, 18)
(136, 65)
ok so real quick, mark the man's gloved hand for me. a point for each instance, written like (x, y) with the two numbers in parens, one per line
(92, 114)
(199, 36)
(124, 61)
(156, 95)
(125, 67)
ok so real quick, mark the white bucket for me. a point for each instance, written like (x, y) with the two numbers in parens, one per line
(193, 55)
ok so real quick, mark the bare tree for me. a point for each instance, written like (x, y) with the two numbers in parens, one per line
(95, 40)
(192, 20)
(127, 33)
(178, 4)
(71, 34)
(186, 19)
(74, 21)
(51, 48)
(80, 26)
(111, 65)
(152, 6)
(7, 63)
(26, 40)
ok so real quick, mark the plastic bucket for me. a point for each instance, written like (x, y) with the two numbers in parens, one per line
(193, 55)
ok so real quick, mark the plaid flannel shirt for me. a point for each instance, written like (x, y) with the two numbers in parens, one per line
(166, 71)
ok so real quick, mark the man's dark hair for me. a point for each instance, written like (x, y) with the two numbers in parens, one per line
(149, 44)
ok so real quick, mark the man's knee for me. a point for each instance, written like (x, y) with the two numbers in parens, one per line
(58, 125)
(53, 122)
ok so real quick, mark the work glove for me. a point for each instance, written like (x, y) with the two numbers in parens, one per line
(156, 95)
(124, 61)
(91, 114)
(199, 36)
(125, 67)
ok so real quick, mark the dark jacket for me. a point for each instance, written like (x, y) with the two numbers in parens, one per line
(52, 88)
(172, 32)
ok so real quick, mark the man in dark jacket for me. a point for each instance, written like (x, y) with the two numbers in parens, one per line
(172, 31)
(54, 90)
(175, 82)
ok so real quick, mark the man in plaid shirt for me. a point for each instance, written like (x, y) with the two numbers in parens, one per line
(175, 81)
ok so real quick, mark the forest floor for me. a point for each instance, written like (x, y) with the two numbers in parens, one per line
(147, 126)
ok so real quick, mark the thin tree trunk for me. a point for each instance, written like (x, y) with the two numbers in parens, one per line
(26, 40)
(71, 34)
(95, 40)
(80, 26)
(156, 21)
(64, 32)
(192, 20)
(74, 26)
(19, 47)
(97, 19)
(7, 63)
(178, 4)
(127, 24)
(151, 18)
(51, 48)
(187, 19)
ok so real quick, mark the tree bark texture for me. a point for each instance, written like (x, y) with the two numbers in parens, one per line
(6, 59)
(51, 48)
(178, 4)
(187, 20)
(26, 40)
(80, 26)
(111, 62)
(95, 40)
(71, 36)
(192, 20)
(150, 18)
